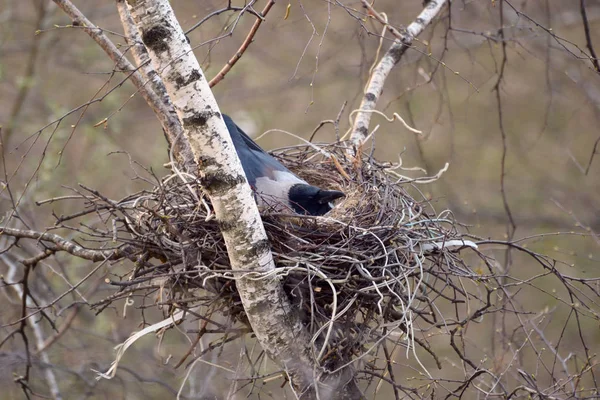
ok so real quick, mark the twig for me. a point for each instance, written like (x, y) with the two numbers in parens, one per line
(222, 10)
(38, 331)
(594, 152)
(588, 38)
(511, 225)
(238, 54)
(69, 247)
(382, 20)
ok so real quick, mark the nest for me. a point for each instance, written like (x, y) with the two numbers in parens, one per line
(374, 265)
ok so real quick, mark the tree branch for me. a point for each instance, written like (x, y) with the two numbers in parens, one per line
(61, 244)
(360, 129)
(36, 326)
(238, 54)
(588, 37)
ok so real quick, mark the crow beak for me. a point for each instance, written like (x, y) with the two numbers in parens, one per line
(327, 196)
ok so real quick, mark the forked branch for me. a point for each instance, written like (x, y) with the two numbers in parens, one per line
(360, 129)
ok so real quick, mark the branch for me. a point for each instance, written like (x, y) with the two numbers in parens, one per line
(169, 122)
(594, 152)
(382, 20)
(360, 130)
(61, 244)
(36, 326)
(238, 54)
(588, 38)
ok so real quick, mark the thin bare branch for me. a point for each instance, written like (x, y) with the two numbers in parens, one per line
(61, 244)
(238, 54)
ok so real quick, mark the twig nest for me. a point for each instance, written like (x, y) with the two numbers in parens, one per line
(373, 261)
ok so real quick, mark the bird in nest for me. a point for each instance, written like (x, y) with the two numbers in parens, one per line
(273, 184)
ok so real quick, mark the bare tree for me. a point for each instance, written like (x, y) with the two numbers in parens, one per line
(327, 304)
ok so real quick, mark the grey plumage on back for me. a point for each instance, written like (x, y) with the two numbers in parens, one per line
(275, 185)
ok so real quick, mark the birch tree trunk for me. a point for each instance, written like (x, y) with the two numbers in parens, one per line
(276, 325)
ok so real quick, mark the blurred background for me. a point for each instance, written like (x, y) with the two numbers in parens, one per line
(542, 124)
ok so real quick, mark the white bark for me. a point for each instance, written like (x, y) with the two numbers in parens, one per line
(140, 54)
(276, 325)
(360, 130)
(175, 138)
